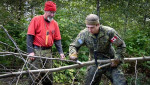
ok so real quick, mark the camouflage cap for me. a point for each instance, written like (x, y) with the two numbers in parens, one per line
(92, 19)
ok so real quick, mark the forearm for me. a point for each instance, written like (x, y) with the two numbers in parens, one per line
(72, 49)
(120, 53)
(30, 39)
(121, 49)
(119, 43)
(75, 46)
(58, 46)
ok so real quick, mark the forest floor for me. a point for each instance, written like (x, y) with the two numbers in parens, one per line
(12, 81)
(142, 80)
(24, 81)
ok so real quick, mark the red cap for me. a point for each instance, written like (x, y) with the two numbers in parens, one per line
(50, 6)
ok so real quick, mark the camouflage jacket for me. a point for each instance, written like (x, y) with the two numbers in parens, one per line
(102, 43)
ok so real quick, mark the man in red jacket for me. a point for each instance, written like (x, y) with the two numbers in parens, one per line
(43, 32)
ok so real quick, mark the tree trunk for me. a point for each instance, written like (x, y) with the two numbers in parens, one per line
(98, 8)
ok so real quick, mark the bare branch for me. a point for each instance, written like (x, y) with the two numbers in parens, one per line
(72, 66)
(144, 58)
(46, 57)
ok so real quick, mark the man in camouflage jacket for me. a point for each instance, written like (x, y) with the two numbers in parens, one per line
(99, 40)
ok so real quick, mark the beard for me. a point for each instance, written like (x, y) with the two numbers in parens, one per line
(49, 18)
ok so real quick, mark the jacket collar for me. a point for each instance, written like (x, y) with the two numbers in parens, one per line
(100, 34)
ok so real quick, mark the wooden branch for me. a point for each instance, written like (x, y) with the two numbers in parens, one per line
(46, 57)
(125, 59)
(53, 69)
(144, 58)
(72, 66)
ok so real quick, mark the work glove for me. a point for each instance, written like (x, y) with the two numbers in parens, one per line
(73, 56)
(115, 62)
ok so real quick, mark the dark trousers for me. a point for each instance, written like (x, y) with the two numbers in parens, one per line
(46, 77)
(114, 74)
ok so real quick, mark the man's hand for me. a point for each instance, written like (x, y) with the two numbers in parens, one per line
(73, 56)
(31, 58)
(115, 63)
(62, 56)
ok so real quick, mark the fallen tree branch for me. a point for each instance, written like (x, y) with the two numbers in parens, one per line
(53, 69)
(125, 59)
(72, 66)
(46, 57)
(144, 58)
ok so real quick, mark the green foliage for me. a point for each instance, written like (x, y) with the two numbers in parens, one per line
(67, 76)
(141, 80)
(146, 65)
(138, 43)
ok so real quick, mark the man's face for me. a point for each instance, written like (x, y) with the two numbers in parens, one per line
(49, 15)
(93, 29)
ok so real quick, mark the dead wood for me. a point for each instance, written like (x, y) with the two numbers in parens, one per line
(73, 66)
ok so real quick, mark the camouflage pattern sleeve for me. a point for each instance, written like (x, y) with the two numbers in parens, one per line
(76, 44)
(121, 47)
